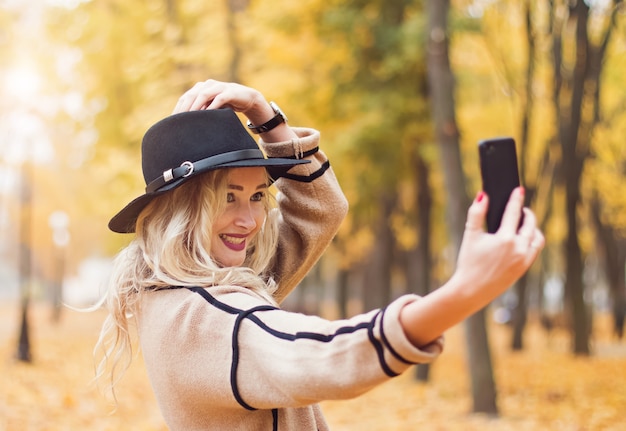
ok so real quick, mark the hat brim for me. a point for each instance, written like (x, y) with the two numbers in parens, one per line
(125, 220)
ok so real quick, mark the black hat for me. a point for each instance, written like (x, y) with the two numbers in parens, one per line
(184, 145)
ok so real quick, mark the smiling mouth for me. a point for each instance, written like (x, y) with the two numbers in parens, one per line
(234, 242)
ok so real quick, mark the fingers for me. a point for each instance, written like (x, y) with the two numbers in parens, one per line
(529, 225)
(477, 213)
(513, 212)
(530, 232)
(197, 97)
(528, 237)
(490, 263)
(203, 95)
(212, 94)
(531, 238)
(538, 241)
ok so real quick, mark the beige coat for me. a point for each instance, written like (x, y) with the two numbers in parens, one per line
(222, 358)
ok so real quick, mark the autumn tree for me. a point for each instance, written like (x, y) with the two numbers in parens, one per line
(606, 171)
(444, 113)
(557, 95)
(579, 49)
(35, 102)
(381, 78)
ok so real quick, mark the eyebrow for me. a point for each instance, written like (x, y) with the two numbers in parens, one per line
(240, 188)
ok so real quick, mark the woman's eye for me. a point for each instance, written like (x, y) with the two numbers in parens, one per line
(257, 197)
(230, 197)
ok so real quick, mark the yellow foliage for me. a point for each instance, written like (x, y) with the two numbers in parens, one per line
(125, 64)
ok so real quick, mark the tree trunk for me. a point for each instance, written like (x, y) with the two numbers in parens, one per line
(577, 94)
(377, 283)
(442, 99)
(232, 8)
(613, 249)
(521, 310)
(26, 201)
(57, 284)
(574, 286)
(520, 313)
(172, 13)
(481, 367)
(343, 277)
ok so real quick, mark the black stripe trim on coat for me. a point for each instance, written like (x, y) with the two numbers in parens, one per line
(378, 346)
(311, 177)
(388, 345)
(235, 364)
(241, 315)
(211, 299)
(324, 338)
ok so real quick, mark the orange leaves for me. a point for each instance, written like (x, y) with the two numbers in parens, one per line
(542, 388)
(56, 391)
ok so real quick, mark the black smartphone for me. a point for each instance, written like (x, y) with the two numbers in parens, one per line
(500, 176)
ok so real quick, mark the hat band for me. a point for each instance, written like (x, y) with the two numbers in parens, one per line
(187, 168)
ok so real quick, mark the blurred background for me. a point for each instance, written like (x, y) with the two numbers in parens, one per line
(402, 91)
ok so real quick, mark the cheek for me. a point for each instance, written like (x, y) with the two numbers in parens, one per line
(221, 222)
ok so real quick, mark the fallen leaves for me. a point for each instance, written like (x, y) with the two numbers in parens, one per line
(56, 391)
(541, 388)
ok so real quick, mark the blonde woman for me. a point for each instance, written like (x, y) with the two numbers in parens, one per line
(214, 254)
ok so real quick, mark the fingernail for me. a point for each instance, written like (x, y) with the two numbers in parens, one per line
(522, 191)
(480, 196)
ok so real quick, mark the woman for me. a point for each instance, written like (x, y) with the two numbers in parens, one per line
(213, 256)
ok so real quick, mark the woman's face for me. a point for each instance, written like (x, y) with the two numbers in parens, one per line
(243, 216)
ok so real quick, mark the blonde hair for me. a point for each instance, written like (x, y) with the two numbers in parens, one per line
(172, 248)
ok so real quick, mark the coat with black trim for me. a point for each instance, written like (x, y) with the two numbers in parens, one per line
(223, 358)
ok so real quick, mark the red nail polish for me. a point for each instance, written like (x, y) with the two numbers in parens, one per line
(480, 196)
(522, 191)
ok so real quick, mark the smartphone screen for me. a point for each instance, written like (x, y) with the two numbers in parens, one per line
(500, 176)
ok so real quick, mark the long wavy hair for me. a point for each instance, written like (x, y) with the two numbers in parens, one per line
(172, 248)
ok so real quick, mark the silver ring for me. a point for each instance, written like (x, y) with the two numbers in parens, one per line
(189, 166)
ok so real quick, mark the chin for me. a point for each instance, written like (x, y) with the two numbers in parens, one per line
(230, 263)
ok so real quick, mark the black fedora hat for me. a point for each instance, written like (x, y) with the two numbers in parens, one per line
(184, 145)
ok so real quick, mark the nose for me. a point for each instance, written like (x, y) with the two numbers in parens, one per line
(245, 217)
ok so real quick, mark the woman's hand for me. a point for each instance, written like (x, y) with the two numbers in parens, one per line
(491, 263)
(487, 265)
(212, 94)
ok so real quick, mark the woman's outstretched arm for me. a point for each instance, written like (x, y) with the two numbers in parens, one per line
(487, 265)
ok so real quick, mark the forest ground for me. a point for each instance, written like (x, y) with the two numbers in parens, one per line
(544, 387)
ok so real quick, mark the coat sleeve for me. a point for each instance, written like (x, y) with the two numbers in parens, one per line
(312, 207)
(286, 359)
(227, 347)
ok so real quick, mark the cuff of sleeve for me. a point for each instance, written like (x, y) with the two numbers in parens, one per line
(308, 139)
(398, 343)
